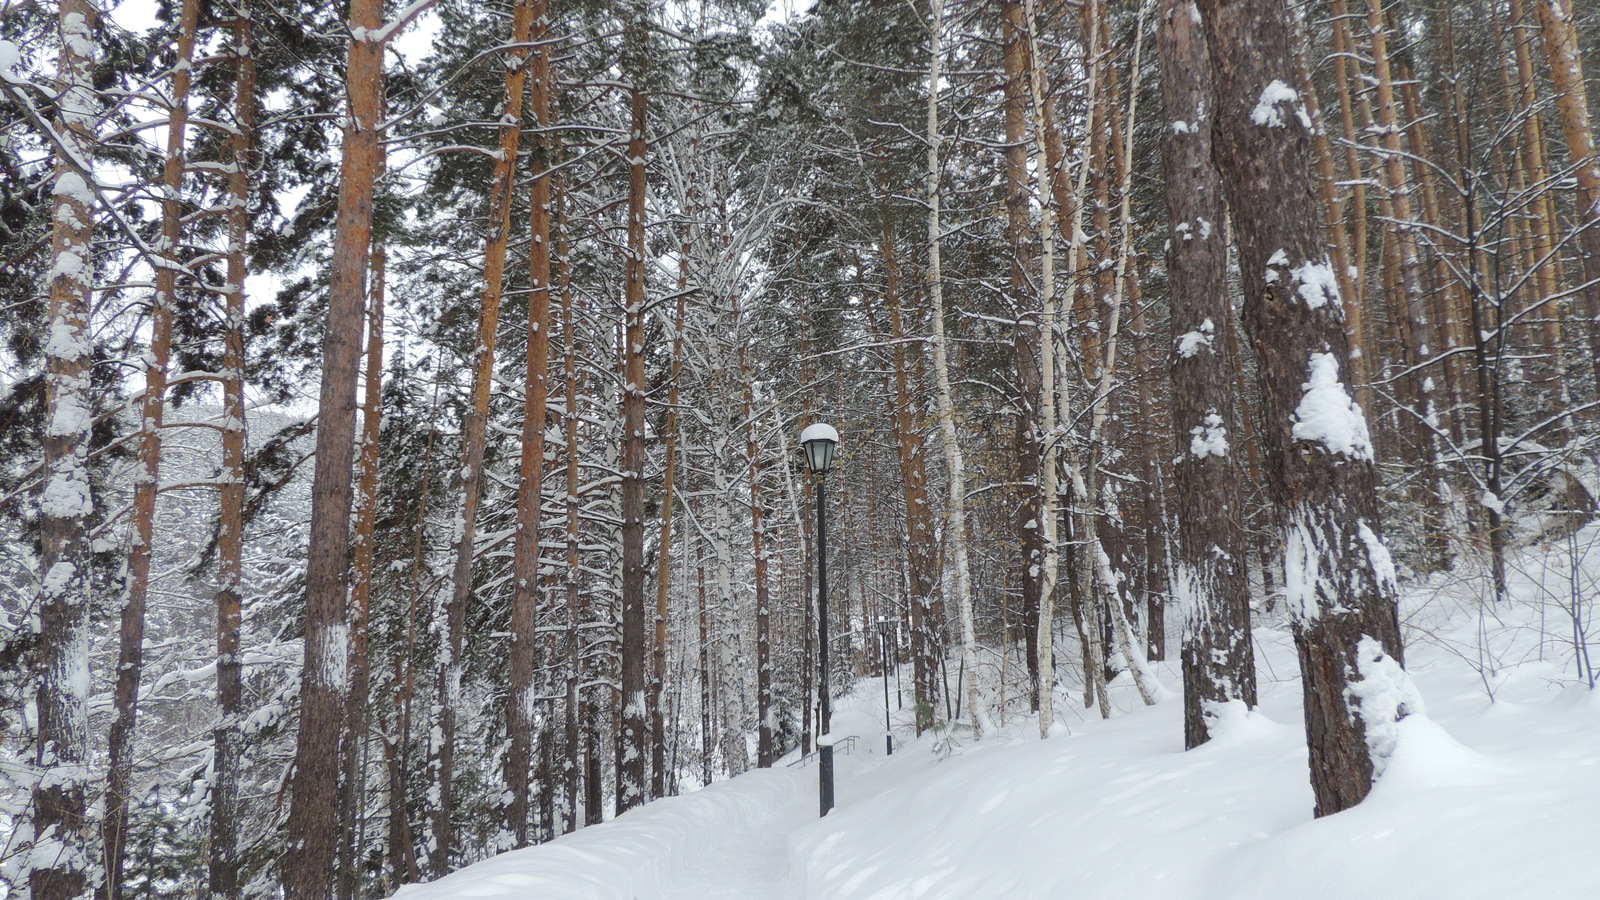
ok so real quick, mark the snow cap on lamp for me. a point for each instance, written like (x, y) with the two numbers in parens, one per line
(818, 440)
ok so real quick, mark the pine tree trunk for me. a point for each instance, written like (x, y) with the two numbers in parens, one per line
(474, 437)
(59, 829)
(402, 863)
(572, 764)
(1527, 169)
(764, 720)
(1572, 105)
(659, 773)
(130, 657)
(226, 738)
(1346, 70)
(703, 619)
(922, 552)
(352, 786)
(1443, 290)
(1104, 555)
(530, 23)
(1416, 325)
(633, 736)
(1212, 581)
(1334, 213)
(312, 826)
(728, 625)
(1029, 445)
(1341, 587)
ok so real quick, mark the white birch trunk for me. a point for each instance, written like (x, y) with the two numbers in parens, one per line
(1048, 326)
(957, 542)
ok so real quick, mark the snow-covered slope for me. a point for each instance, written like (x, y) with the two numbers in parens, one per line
(1481, 800)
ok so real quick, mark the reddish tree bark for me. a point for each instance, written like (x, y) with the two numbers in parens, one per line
(226, 739)
(130, 656)
(531, 23)
(307, 869)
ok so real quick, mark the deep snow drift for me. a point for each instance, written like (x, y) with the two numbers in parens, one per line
(1482, 799)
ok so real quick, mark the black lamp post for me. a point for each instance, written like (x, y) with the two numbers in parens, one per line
(884, 631)
(818, 442)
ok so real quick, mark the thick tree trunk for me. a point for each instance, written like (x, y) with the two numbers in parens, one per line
(1341, 585)
(1212, 581)
(531, 24)
(130, 657)
(226, 739)
(312, 826)
(59, 828)
(728, 623)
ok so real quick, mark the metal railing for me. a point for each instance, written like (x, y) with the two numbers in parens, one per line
(845, 744)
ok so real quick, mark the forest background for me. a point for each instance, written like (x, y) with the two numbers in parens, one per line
(397, 452)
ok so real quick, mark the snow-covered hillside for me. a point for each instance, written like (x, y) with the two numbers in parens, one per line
(1482, 799)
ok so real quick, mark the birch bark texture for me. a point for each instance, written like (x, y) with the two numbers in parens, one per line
(956, 510)
(1341, 589)
(1211, 580)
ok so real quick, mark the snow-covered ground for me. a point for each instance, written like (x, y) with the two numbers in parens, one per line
(1482, 799)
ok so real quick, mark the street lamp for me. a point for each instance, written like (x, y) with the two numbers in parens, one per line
(818, 441)
(884, 630)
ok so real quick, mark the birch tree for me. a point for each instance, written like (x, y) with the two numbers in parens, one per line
(955, 510)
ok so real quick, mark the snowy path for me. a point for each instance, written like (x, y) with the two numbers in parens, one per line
(1485, 801)
(750, 863)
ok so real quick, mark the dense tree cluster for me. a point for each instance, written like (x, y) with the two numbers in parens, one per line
(397, 452)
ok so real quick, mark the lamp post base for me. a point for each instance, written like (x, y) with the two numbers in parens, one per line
(825, 776)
